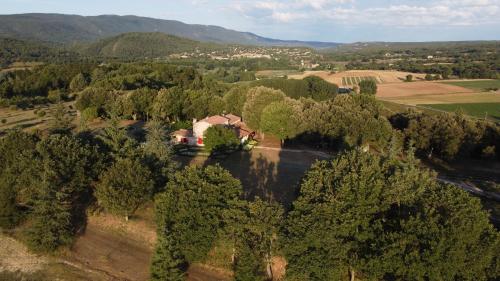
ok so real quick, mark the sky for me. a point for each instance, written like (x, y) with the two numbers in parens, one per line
(314, 20)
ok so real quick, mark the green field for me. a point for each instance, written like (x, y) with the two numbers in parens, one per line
(480, 110)
(481, 85)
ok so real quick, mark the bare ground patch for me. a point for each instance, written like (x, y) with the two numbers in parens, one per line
(14, 256)
(402, 90)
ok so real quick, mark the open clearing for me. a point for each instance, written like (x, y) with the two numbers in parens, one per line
(28, 120)
(445, 98)
(270, 173)
(478, 85)
(381, 76)
(409, 89)
(480, 110)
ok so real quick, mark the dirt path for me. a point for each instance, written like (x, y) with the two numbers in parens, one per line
(14, 256)
(117, 256)
(103, 251)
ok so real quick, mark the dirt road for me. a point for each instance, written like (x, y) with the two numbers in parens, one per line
(118, 257)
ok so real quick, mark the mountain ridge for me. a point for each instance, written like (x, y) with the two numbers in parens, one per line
(71, 29)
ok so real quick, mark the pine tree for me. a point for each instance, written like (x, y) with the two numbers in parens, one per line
(167, 263)
(116, 139)
(8, 209)
(124, 187)
(158, 154)
(248, 265)
(51, 225)
(61, 122)
(63, 169)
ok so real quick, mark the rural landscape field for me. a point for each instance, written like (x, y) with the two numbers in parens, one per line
(353, 147)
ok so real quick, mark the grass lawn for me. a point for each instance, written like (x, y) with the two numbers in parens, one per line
(480, 85)
(474, 109)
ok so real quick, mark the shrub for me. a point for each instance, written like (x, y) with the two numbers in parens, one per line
(219, 138)
(55, 96)
(41, 113)
(4, 121)
(90, 113)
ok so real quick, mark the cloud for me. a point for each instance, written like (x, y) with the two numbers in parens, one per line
(359, 12)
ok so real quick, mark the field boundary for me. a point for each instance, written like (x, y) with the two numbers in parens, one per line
(427, 108)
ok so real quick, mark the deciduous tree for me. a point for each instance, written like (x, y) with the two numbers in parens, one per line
(383, 219)
(282, 119)
(257, 99)
(220, 138)
(124, 187)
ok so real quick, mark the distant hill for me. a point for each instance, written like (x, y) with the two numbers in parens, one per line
(76, 29)
(15, 50)
(397, 46)
(131, 45)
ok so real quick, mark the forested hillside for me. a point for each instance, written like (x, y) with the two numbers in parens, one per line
(131, 45)
(73, 28)
(12, 50)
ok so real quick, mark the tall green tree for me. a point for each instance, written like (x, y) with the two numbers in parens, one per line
(124, 187)
(115, 138)
(65, 168)
(383, 219)
(220, 139)
(142, 101)
(282, 119)
(168, 104)
(257, 99)
(158, 154)
(9, 214)
(16, 169)
(191, 208)
(235, 99)
(254, 228)
(61, 122)
(167, 263)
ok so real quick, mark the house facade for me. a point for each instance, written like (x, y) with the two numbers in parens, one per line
(195, 137)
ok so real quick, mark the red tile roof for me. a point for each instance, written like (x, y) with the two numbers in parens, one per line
(233, 119)
(216, 120)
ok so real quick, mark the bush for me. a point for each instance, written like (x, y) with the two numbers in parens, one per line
(41, 113)
(54, 96)
(90, 114)
(219, 138)
(4, 121)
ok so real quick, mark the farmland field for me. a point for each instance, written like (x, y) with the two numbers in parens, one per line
(480, 110)
(404, 90)
(444, 98)
(355, 80)
(346, 77)
(480, 85)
